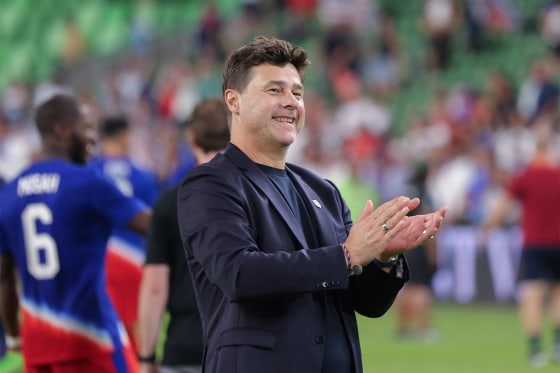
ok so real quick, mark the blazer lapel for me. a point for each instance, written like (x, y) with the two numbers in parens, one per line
(315, 207)
(261, 181)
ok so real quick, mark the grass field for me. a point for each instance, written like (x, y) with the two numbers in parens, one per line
(472, 339)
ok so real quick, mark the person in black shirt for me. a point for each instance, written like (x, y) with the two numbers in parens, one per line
(166, 283)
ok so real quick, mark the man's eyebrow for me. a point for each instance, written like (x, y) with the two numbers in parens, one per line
(283, 84)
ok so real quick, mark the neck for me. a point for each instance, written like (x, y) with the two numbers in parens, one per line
(203, 157)
(110, 149)
(541, 158)
(50, 151)
(271, 155)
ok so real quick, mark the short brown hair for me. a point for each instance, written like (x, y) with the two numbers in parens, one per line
(261, 50)
(209, 125)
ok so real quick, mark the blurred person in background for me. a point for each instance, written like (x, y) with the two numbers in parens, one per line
(537, 189)
(413, 305)
(539, 92)
(166, 282)
(356, 187)
(549, 26)
(55, 220)
(19, 144)
(438, 21)
(126, 250)
(384, 64)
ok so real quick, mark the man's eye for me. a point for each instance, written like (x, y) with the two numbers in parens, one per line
(274, 90)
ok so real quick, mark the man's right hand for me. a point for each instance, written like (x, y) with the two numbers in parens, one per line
(375, 228)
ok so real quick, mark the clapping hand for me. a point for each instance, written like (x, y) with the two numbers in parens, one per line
(387, 230)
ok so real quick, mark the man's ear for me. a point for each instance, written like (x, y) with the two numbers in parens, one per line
(61, 132)
(189, 136)
(231, 98)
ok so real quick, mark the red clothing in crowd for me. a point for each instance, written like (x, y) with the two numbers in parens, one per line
(538, 189)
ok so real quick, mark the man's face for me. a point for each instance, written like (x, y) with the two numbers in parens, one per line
(271, 109)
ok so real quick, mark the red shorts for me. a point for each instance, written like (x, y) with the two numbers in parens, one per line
(119, 362)
(123, 286)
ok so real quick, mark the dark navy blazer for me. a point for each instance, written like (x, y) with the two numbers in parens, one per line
(258, 285)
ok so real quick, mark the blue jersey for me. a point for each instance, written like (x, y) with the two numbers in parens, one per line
(55, 220)
(126, 249)
(132, 181)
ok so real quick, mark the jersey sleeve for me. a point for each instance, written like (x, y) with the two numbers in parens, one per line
(4, 247)
(112, 203)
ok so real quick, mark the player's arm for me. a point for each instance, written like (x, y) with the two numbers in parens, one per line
(9, 302)
(140, 222)
(498, 213)
(154, 290)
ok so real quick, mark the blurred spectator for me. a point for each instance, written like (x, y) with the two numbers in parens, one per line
(177, 91)
(488, 20)
(18, 146)
(513, 144)
(141, 26)
(344, 24)
(299, 16)
(549, 26)
(15, 102)
(356, 111)
(422, 138)
(449, 183)
(358, 16)
(383, 68)
(503, 97)
(356, 186)
(73, 44)
(251, 18)
(503, 242)
(57, 83)
(413, 306)
(208, 35)
(539, 93)
(439, 20)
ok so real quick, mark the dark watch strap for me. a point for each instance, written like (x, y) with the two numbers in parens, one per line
(147, 359)
(388, 264)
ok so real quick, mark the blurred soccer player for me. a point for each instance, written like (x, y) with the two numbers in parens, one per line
(126, 249)
(166, 281)
(55, 220)
(537, 188)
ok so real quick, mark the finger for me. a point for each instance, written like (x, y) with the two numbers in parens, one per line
(394, 231)
(395, 219)
(443, 210)
(415, 202)
(389, 209)
(368, 208)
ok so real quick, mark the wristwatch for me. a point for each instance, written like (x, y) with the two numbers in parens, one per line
(388, 264)
(355, 270)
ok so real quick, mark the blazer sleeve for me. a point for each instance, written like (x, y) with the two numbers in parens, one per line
(374, 291)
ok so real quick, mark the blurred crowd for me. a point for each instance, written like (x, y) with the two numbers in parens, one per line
(470, 139)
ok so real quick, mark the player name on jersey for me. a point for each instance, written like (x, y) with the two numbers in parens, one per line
(38, 184)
